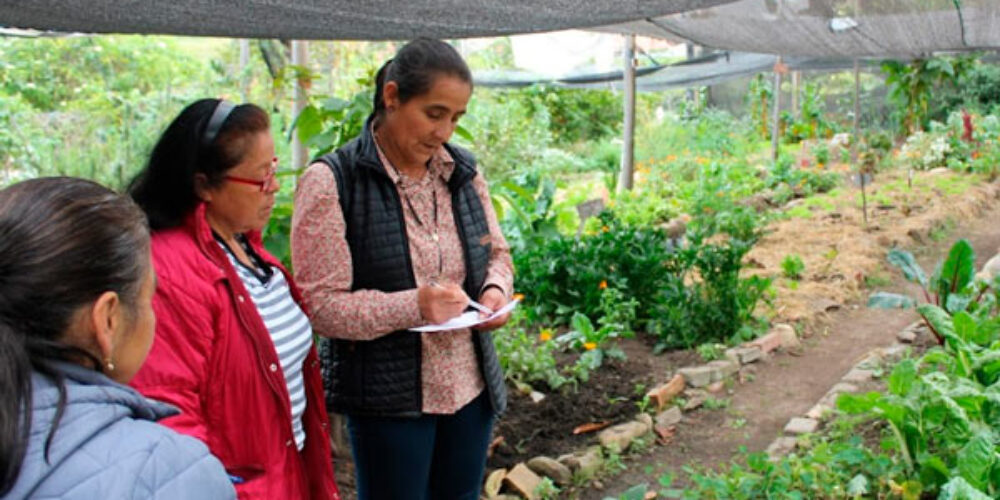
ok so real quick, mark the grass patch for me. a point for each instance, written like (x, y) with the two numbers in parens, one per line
(953, 185)
(942, 230)
(799, 212)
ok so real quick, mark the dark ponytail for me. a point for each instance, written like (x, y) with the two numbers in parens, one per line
(63, 242)
(416, 66)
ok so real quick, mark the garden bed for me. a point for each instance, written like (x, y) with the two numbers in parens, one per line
(613, 395)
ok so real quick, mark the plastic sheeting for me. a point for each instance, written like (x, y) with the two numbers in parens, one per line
(331, 19)
(833, 28)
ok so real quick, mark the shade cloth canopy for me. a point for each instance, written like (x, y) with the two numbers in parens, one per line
(332, 19)
(833, 28)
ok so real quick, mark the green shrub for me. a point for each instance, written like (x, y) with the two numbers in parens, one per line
(792, 267)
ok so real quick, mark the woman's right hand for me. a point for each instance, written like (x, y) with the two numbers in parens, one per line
(439, 303)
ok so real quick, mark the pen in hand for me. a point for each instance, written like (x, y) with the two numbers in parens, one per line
(473, 304)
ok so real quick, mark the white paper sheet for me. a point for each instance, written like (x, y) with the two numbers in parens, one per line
(466, 320)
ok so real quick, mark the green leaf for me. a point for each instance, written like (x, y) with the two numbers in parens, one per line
(854, 404)
(637, 492)
(858, 486)
(886, 300)
(903, 375)
(905, 262)
(464, 134)
(581, 323)
(938, 318)
(958, 269)
(965, 326)
(975, 460)
(957, 302)
(960, 489)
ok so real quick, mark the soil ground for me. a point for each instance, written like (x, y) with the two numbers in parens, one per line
(786, 386)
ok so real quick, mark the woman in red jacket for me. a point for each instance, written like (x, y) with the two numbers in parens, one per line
(233, 349)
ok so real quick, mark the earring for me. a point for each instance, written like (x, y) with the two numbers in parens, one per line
(109, 365)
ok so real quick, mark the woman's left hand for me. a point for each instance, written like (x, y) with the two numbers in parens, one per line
(494, 299)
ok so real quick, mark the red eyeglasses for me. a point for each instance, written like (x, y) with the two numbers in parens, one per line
(266, 184)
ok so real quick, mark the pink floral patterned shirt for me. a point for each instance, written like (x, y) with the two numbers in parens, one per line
(322, 262)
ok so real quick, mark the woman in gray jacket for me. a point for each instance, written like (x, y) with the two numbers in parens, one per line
(76, 322)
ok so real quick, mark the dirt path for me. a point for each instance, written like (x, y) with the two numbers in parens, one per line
(786, 386)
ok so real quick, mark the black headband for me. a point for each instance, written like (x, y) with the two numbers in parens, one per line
(218, 118)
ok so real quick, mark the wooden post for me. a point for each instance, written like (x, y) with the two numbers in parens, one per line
(244, 64)
(856, 140)
(776, 118)
(796, 76)
(628, 129)
(300, 51)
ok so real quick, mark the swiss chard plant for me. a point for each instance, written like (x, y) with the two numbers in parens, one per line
(951, 289)
(943, 409)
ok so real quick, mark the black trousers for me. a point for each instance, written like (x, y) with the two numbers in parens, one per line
(433, 457)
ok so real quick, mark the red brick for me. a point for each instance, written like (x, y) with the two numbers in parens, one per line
(665, 393)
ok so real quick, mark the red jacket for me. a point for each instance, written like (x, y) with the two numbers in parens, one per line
(214, 359)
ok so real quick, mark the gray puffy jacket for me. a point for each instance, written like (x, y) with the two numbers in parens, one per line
(109, 446)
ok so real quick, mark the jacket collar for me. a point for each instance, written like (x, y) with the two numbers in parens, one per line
(197, 224)
(90, 386)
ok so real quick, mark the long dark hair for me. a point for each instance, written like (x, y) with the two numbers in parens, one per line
(415, 67)
(165, 189)
(63, 242)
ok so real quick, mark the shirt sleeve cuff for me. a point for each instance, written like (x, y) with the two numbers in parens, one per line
(498, 284)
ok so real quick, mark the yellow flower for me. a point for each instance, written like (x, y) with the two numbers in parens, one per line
(590, 346)
(603, 285)
(518, 296)
(605, 229)
(545, 335)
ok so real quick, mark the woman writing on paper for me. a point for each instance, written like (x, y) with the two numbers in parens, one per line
(392, 231)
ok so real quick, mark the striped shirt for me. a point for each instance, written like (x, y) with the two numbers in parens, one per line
(289, 328)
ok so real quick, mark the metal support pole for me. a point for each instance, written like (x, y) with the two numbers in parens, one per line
(300, 51)
(776, 119)
(628, 130)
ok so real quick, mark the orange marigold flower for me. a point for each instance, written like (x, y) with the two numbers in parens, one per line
(603, 285)
(545, 335)
(605, 229)
(590, 346)
(518, 296)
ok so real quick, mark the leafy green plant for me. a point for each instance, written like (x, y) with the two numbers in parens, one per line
(529, 212)
(911, 85)
(527, 359)
(711, 351)
(792, 266)
(943, 408)
(951, 288)
(546, 489)
(597, 343)
(326, 123)
(834, 468)
(710, 301)
(568, 275)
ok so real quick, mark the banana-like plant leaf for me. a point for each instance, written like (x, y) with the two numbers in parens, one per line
(886, 300)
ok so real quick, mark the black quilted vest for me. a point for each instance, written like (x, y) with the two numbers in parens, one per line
(381, 377)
